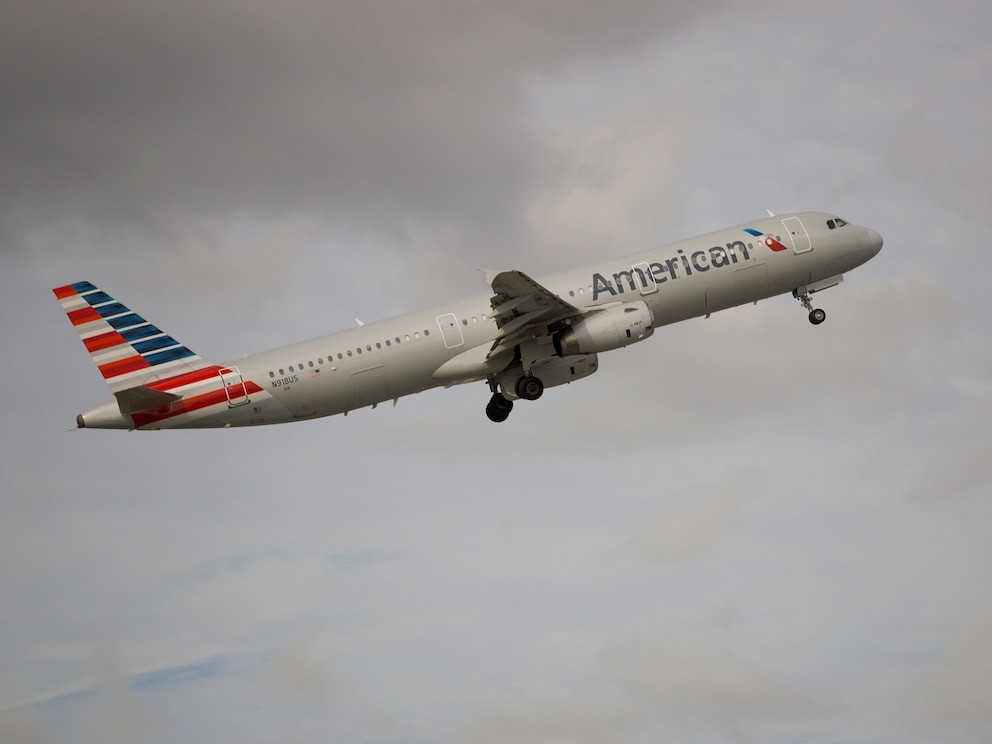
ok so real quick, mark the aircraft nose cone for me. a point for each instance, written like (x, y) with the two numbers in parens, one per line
(874, 241)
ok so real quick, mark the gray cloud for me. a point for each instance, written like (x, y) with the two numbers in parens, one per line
(954, 696)
(26, 726)
(116, 714)
(675, 682)
(691, 522)
(297, 670)
(378, 114)
(252, 174)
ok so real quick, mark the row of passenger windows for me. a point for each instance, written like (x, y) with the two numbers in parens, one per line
(341, 355)
(379, 345)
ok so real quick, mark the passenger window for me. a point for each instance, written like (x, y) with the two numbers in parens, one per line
(407, 337)
(349, 353)
(290, 367)
(282, 372)
(426, 332)
(397, 339)
(378, 345)
(359, 349)
(272, 374)
(310, 363)
(388, 342)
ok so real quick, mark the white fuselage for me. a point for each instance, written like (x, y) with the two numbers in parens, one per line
(387, 360)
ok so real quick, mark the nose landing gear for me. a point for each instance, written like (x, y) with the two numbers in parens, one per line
(816, 316)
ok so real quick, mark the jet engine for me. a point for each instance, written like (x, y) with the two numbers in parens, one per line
(603, 330)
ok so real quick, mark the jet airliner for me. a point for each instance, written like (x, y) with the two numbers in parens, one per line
(521, 337)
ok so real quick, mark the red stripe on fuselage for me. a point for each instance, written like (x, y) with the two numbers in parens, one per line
(123, 366)
(83, 315)
(191, 404)
(104, 341)
(63, 292)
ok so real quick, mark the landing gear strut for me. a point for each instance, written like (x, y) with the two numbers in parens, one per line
(816, 316)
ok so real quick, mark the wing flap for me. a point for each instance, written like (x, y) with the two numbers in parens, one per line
(523, 309)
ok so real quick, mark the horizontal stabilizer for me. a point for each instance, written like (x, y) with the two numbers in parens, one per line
(138, 399)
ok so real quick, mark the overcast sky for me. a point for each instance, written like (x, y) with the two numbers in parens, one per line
(745, 529)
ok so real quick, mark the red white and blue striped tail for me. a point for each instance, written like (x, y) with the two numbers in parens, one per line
(129, 351)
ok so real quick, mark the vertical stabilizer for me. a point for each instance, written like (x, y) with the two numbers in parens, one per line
(127, 349)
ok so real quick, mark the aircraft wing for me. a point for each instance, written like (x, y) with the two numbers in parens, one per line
(524, 309)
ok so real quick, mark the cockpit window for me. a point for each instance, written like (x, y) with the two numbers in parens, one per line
(831, 224)
(837, 222)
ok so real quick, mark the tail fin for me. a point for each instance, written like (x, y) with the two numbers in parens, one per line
(127, 349)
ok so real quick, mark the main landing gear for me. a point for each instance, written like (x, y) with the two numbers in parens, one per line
(499, 408)
(527, 387)
(816, 316)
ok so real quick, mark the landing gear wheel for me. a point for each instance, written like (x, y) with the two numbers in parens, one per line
(499, 408)
(529, 387)
(816, 316)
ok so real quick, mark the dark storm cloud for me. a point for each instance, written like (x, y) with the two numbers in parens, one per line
(145, 114)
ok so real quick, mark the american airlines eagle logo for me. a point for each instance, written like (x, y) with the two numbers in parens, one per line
(768, 239)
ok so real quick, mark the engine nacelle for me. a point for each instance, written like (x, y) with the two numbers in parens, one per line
(551, 372)
(603, 330)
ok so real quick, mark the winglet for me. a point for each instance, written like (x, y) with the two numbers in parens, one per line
(489, 274)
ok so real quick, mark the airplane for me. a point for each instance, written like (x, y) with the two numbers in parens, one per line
(520, 338)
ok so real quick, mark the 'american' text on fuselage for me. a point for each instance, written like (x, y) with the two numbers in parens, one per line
(702, 260)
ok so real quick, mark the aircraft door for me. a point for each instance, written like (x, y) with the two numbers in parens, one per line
(643, 275)
(234, 386)
(450, 331)
(797, 233)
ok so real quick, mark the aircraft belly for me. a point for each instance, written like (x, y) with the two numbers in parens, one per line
(751, 282)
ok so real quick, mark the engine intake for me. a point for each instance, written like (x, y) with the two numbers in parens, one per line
(604, 330)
